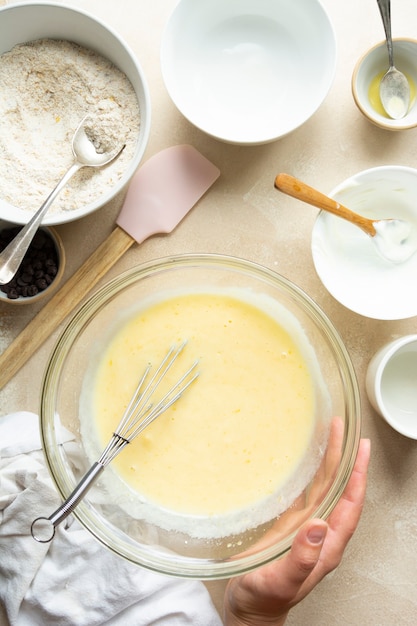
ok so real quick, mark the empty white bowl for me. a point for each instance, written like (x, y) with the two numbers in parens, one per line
(25, 22)
(365, 80)
(347, 260)
(248, 71)
(391, 384)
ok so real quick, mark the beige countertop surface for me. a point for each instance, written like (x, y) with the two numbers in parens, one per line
(243, 215)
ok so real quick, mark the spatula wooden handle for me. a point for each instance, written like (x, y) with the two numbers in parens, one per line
(62, 303)
(297, 189)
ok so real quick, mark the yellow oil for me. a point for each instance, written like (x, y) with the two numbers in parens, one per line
(373, 93)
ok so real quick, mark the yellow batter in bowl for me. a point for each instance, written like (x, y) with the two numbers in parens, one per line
(238, 436)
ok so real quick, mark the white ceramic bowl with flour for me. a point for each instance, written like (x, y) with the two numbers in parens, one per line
(347, 260)
(36, 131)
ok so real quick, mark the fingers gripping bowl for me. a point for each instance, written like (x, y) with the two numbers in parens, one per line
(175, 534)
(52, 65)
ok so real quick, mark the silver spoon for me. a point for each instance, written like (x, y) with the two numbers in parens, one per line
(394, 89)
(85, 155)
(390, 236)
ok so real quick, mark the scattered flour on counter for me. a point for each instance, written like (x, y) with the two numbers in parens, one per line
(48, 86)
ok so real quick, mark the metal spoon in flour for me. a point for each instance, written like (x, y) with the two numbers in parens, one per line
(86, 155)
(392, 237)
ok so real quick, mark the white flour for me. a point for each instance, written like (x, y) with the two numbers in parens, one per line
(47, 87)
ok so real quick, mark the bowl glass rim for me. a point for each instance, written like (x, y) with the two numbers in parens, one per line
(194, 568)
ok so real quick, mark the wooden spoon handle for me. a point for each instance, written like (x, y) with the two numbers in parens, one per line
(62, 303)
(297, 189)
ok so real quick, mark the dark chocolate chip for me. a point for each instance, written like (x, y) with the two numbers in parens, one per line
(41, 284)
(32, 290)
(26, 277)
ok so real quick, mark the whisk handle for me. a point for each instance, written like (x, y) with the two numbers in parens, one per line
(43, 528)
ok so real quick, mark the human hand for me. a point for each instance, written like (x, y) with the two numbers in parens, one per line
(264, 596)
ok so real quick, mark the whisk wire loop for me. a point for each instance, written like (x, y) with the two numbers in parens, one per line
(168, 400)
(135, 410)
(137, 415)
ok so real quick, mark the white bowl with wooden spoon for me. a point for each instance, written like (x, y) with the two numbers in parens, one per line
(346, 258)
(392, 237)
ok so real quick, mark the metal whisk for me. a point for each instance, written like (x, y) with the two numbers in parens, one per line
(139, 414)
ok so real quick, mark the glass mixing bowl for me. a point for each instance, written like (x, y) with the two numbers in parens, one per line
(110, 518)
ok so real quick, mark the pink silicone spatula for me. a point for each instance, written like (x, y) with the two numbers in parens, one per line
(160, 194)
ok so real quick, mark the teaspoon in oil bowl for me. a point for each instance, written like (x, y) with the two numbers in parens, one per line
(390, 236)
(86, 155)
(394, 88)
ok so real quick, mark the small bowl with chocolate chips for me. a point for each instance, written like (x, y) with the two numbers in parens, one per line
(40, 270)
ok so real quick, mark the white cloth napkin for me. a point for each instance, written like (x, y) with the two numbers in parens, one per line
(73, 581)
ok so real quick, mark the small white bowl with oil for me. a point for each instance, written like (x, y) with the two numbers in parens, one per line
(367, 75)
